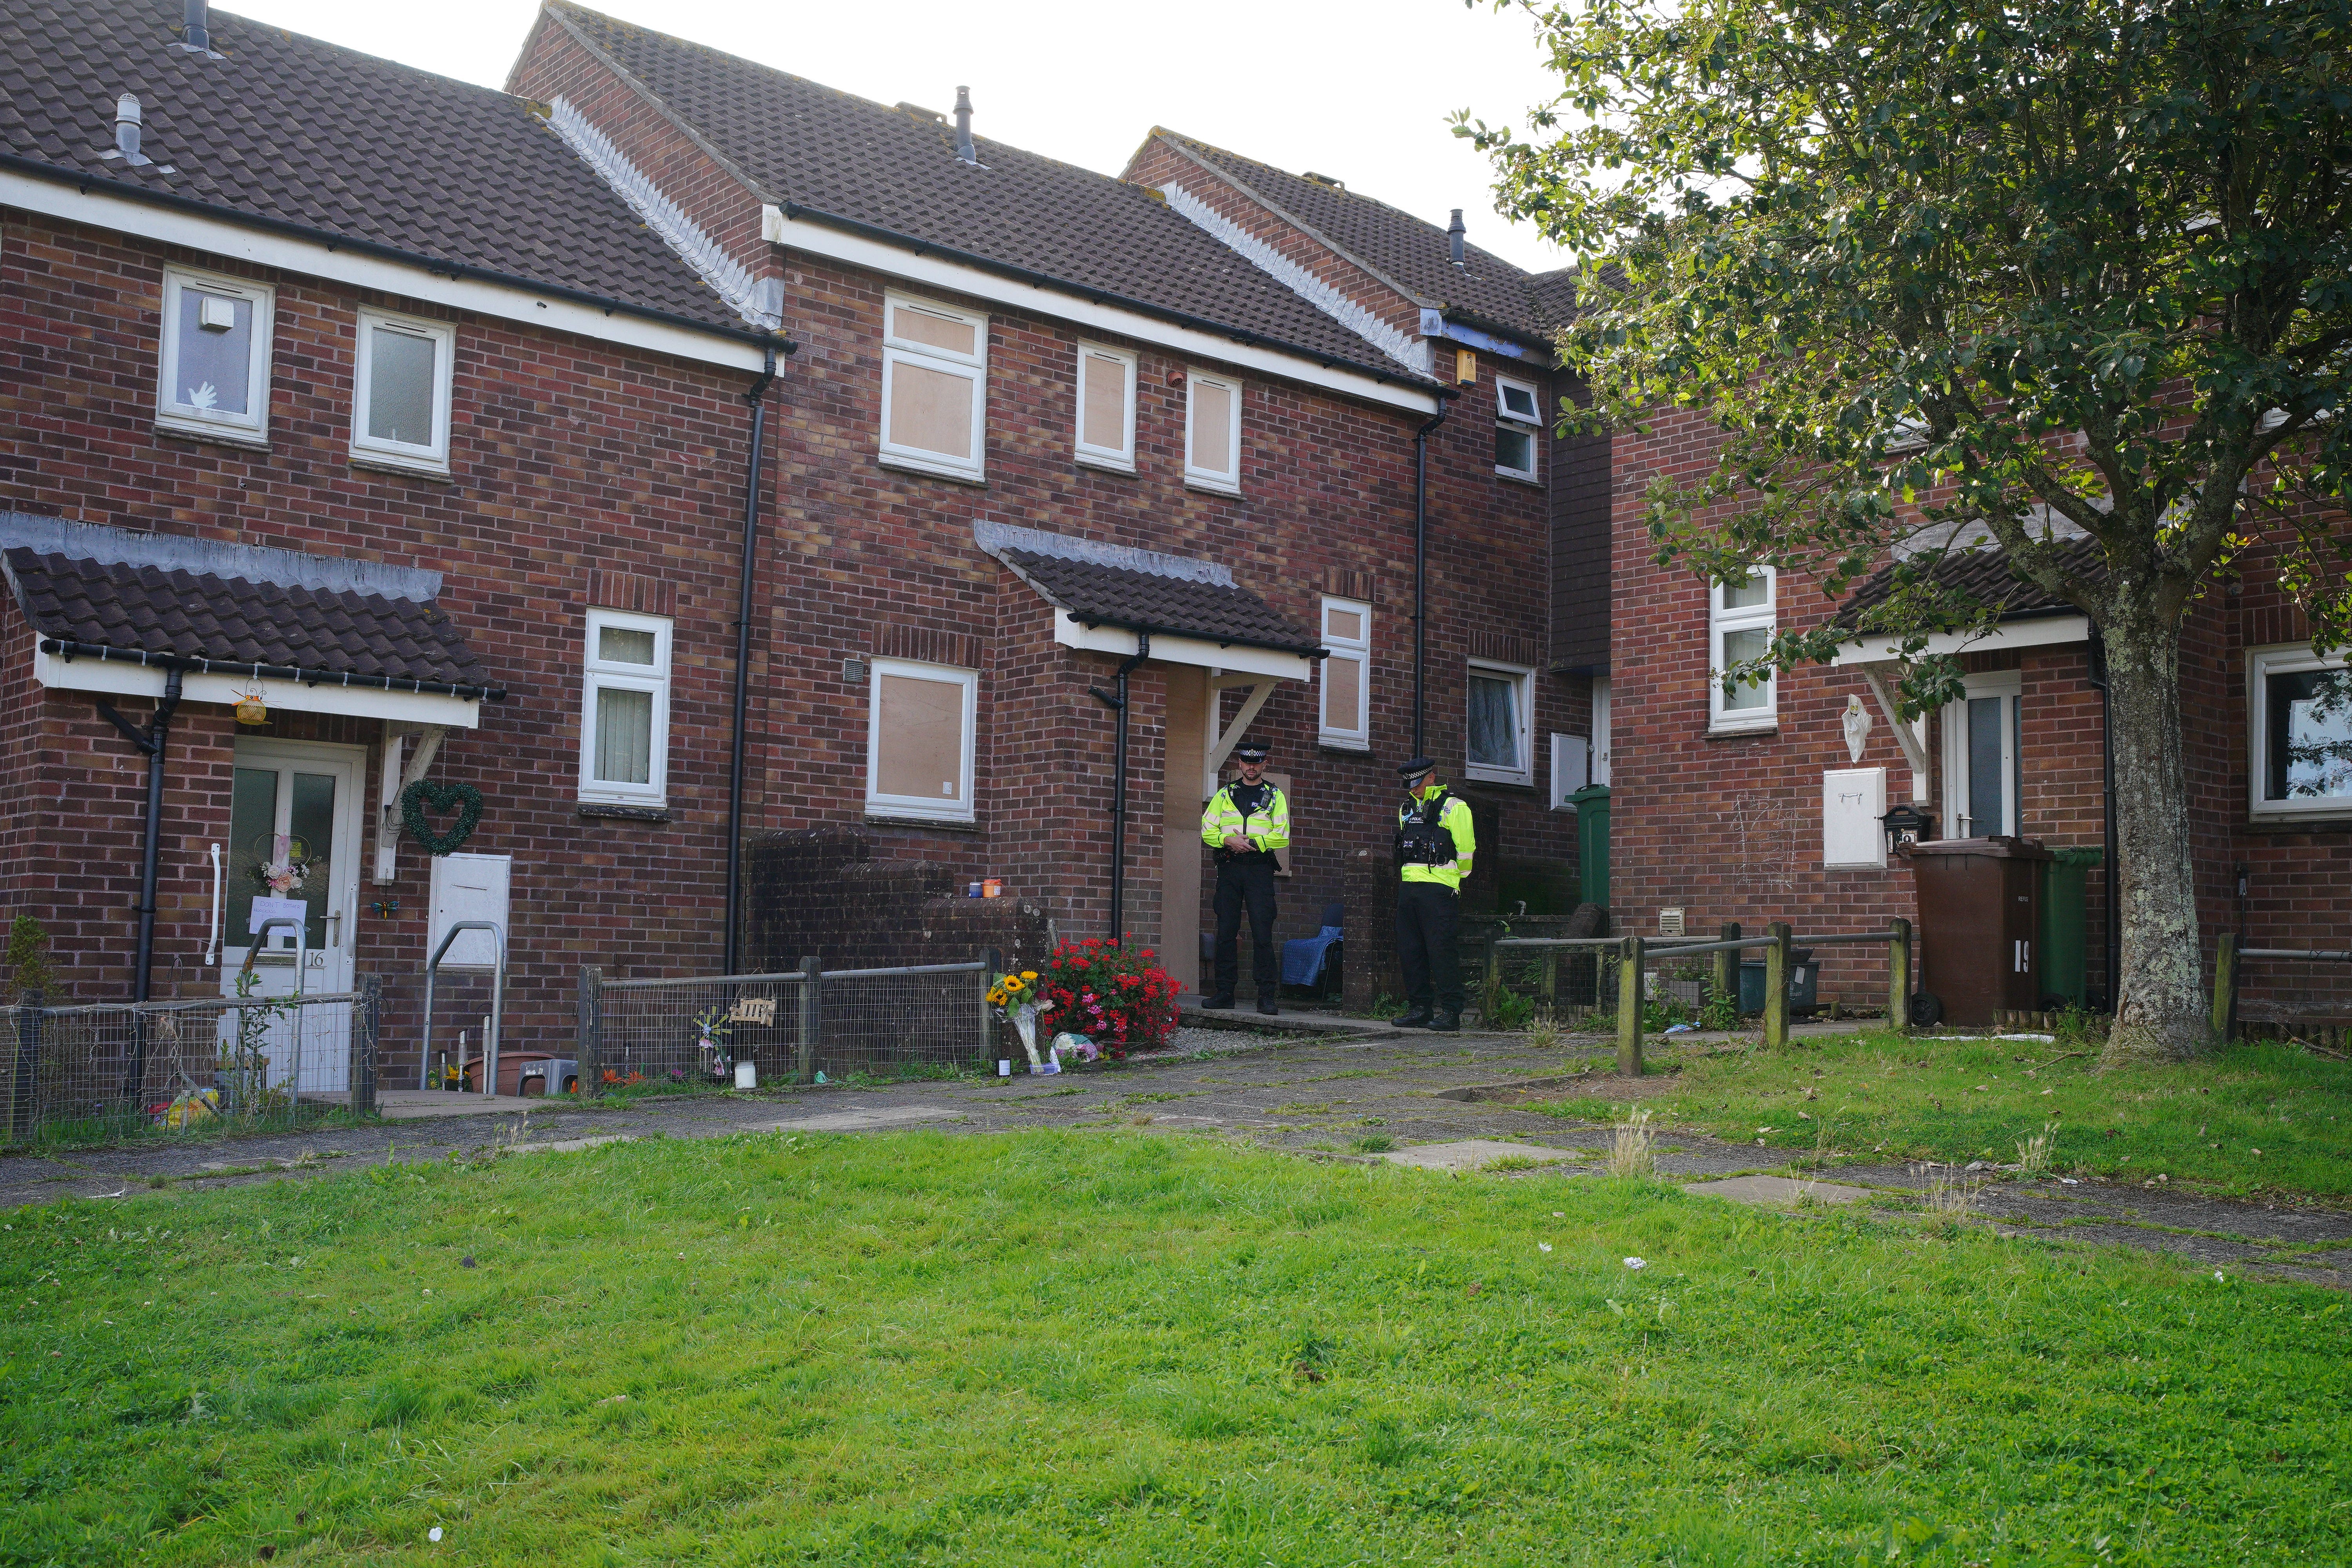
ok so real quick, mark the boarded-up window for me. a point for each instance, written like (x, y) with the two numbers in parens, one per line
(919, 740)
(934, 380)
(1346, 718)
(1106, 407)
(1212, 435)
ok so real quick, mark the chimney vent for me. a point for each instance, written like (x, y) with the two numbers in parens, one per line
(1453, 236)
(195, 26)
(127, 128)
(965, 152)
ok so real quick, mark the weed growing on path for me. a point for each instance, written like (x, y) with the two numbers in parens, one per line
(1632, 1150)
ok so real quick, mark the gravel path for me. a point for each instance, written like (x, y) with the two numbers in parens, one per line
(1317, 1096)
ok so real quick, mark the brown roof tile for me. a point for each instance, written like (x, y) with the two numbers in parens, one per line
(1983, 575)
(1116, 596)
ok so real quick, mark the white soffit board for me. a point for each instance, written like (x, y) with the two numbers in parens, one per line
(316, 259)
(1070, 632)
(113, 678)
(856, 250)
(2047, 632)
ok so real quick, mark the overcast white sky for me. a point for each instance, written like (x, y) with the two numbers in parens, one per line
(1356, 89)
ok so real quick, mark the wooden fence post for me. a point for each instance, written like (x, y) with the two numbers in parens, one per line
(992, 965)
(1628, 1007)
(812, 1017)
(1491, 998)
(589, 1047)
(2225, 988)
(1776, 986)
(1726, 967)
(1898, 976)
(1552, 981)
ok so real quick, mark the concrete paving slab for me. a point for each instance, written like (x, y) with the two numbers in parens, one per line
(866, 1118)
(1774, 1190)
(416, 1104)
(1470, 1154)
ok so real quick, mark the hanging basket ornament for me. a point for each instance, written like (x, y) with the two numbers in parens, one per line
(250, 709)
(429, 795)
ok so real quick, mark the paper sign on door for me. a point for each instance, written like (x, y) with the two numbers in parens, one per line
(278, 909)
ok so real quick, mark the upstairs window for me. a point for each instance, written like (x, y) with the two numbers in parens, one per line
(934, 386)
(919, 740)
(1212, 432)
(2300, 731)
(214, 376)
(1739, 628)
(1499, 747)
(1106, 407)
(400, 397)
(624, 714)
(1518, 423)
(1347, 713)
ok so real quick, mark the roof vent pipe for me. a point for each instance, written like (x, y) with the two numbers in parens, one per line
(195, 25)
(127, 129)
(965, 153)
(1453, 236)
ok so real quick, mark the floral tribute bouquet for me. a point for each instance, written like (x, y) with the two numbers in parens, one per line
(1017, 1002)
(1118, 998)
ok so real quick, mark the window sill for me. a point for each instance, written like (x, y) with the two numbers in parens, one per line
(1106, 464)
(1733, 732)
(1501, 780)
(622, 813)
(929, 471)
(1341, 743)
(928, 824)
(1206, 487)
(2267, 823)
(390, 463)
(242, 441)
(1533, 481)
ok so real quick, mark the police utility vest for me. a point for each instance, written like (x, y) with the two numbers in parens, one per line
(1265, 823)
(1428, 846)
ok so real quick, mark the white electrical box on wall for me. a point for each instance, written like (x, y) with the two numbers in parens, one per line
(470, 887)
(1853, 800)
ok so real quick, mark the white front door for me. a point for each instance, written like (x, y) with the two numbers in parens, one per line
(294, 837)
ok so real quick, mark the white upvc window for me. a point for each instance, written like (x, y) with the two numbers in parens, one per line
(1739, 628)
(1213, 431)
(934, 387)
(1518, 430)
(1106, 433)
(625, 710)
(400, 391)
(1346, 713)
(920, 722)
(213, 372)
(2299, 732)
(1499, 738)
(1981, 776)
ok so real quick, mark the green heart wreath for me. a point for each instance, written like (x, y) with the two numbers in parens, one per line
(426, 794)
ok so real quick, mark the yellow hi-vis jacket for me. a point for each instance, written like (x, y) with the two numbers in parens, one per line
(1268, 828)
(1454, 820)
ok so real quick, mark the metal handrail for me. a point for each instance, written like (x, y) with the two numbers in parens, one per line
(789, 975)
(301, 970)
(498, 1006)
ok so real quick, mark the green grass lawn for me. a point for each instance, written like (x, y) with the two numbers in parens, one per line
(1115, 1347)
(2254, 1118)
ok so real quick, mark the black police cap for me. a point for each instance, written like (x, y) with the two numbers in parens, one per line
(1415, 768)
(1251, 751)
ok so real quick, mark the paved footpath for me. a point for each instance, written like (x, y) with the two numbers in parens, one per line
(1312, 1095)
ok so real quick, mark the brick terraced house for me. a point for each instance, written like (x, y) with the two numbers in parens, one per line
(403, 430)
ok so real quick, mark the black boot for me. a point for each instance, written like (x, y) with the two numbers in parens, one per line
(1416, 1019)
(1267, 1005)
(1220, 1000)
(1448, 1021)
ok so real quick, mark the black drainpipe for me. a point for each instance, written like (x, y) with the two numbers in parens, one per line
(1420, 581)
(757, 398)
(2113, 923)
(152, 741)
(1119, 788)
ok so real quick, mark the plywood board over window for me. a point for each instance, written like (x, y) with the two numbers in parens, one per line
(1346, 677)
(934, 387)
(1212, 432)
(1106, 433)
(919, 740)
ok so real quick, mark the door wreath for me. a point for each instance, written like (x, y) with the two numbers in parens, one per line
(430, 795)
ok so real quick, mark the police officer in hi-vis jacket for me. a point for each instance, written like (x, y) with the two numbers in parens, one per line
(1244, 823)
(1434, 842)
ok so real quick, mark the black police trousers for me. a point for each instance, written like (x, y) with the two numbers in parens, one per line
(1428, 947)
(1246, 881)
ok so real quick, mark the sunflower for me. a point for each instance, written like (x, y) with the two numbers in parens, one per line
(1016, 985)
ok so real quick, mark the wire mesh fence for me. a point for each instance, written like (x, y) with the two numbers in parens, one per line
(1576, 982)
(794, 1025)
(106, 1070)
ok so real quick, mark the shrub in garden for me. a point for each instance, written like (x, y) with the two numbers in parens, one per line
(1118, 997)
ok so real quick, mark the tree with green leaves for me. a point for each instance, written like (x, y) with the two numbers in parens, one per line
(1945, 273)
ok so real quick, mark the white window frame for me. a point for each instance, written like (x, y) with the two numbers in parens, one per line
(928, 807)
(1356, 736)
(431, 456)
(1533, 474)
(597, 674)
(173, 415)
(1226, 483)
(1719, 620)
(1122, 459)
(1600, 729)
(2290, 659)
(973, 367)
(1571, 767)
(2009, 685)
(1523, 688)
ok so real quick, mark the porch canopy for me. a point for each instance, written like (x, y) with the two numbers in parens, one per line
(111, 609)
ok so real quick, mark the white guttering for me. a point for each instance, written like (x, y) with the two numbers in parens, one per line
(319, 259)
(125, 679)
(822, 239)
(2043, 632)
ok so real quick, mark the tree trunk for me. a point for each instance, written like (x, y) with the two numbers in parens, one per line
(2159, 1010)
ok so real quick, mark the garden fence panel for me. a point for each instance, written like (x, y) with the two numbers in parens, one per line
(883, 1022)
